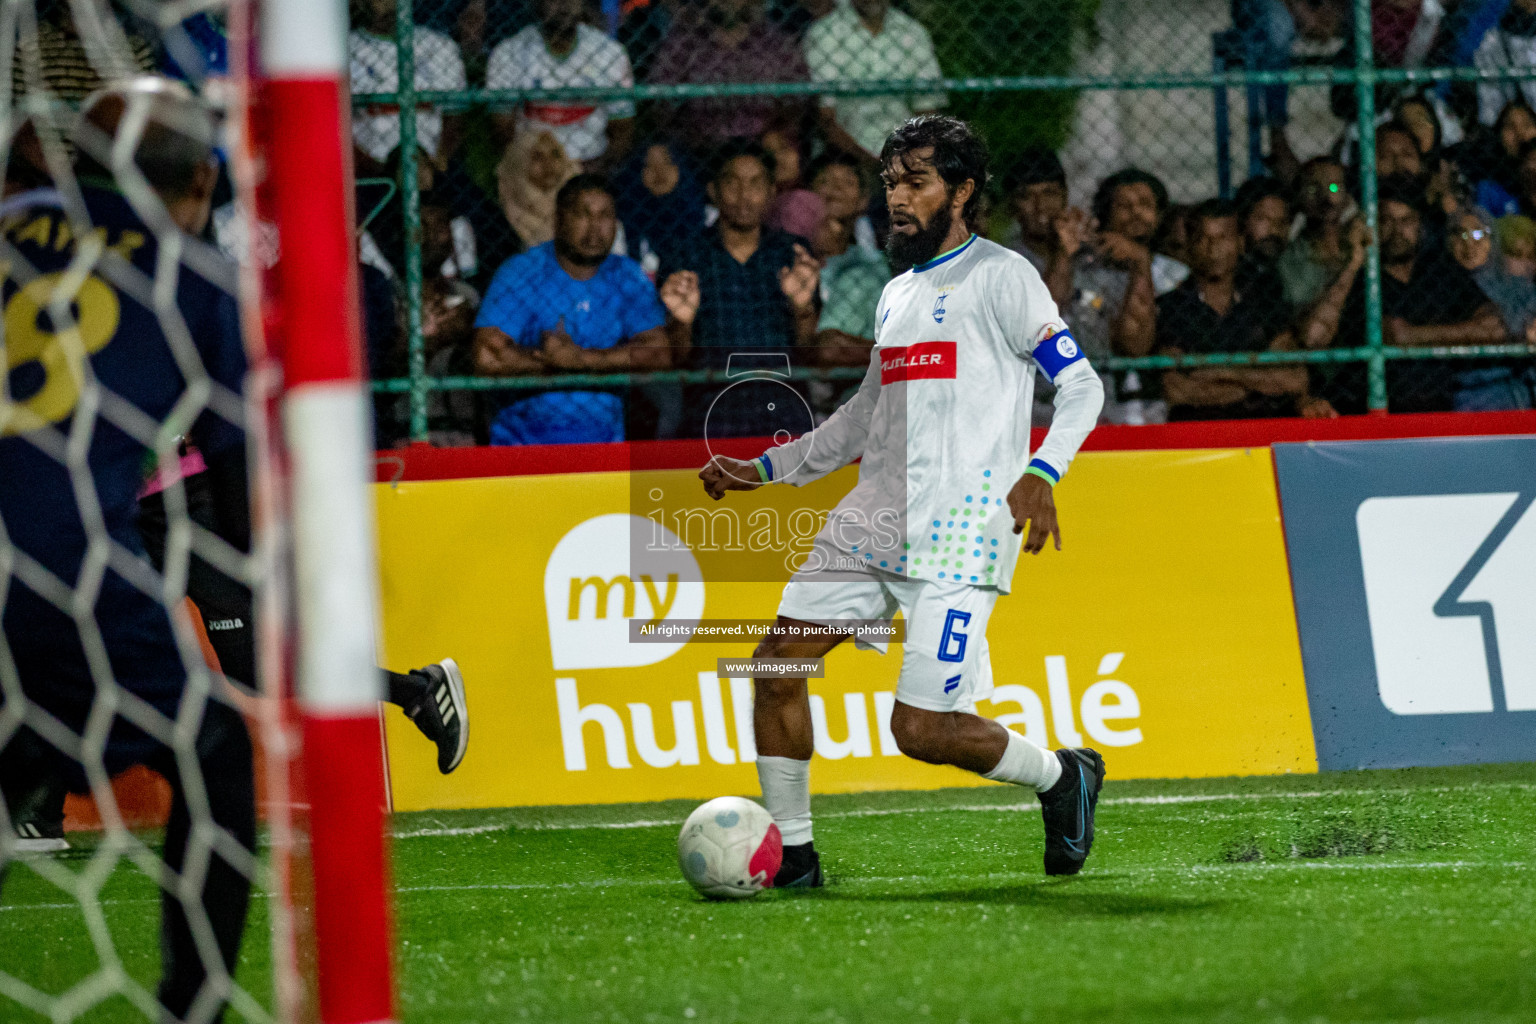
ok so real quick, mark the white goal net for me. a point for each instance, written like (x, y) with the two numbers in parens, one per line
(147, 835)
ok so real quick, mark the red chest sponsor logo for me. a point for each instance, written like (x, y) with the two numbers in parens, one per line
(925, 360)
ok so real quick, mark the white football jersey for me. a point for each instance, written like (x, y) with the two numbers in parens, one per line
(942, 419)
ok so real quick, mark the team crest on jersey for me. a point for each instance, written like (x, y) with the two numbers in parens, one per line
(938, 307)
(927, 360)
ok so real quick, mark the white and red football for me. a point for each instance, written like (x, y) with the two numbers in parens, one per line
(730, 848)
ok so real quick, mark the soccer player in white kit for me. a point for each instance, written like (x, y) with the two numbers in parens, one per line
(946, 488)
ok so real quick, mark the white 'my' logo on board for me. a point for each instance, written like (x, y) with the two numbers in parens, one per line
(589, 595)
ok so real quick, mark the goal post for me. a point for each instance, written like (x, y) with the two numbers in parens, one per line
(126, 394)
(302, 113)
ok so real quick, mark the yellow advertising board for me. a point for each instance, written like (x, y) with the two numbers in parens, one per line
(1162, 634)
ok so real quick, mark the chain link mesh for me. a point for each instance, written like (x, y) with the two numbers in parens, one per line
(123, 466)
(1255, 101)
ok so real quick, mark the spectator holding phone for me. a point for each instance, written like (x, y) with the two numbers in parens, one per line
(1427, 300)
(1317, 255)
(1102, 280)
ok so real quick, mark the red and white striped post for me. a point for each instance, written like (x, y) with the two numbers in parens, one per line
(327, 427)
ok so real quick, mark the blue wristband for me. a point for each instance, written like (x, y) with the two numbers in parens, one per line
(1044, 471)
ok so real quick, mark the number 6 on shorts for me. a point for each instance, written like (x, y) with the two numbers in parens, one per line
(952, 637)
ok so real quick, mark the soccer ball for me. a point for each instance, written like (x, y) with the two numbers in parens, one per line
(729, 848)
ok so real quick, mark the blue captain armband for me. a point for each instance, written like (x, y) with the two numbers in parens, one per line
(1057, 352)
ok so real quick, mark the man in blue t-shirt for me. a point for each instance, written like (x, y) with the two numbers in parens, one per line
(570, 306)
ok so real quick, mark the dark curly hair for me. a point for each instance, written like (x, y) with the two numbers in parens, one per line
(1210, 209)
(1402, 188)
(579, 186)
(1104, 198)
(959, 154)
(1255, 190)
(737, 148)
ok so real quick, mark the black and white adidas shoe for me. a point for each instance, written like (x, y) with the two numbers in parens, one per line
(800, 868)
(442, 713)
(1068, 809)
(33, 837)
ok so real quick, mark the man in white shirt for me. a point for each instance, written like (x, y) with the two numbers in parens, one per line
(862, 41)
(563, 52)
(372, 51)
(946, 487)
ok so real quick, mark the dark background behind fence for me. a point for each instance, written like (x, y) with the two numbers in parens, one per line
(1256, 101)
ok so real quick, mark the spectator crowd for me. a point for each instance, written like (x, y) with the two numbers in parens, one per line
(604, 236)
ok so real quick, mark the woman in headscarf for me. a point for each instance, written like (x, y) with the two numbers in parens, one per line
(660, 201)
(528, 177)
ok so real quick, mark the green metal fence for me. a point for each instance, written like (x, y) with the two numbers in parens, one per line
(1364, 76)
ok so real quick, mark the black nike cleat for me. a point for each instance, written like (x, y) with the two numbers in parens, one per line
(800, 868)
(442, 714)
(1068, 807)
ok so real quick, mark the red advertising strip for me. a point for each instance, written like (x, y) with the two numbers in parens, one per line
(1262, 433)
(424, 462)
(927, 360)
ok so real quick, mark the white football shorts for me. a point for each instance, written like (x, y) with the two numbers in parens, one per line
(946, 665)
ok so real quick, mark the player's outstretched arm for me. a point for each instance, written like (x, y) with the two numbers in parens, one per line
(723, 474)
(837, 442)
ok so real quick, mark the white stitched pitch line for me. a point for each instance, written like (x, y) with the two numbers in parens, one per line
(117, 901)
(614, 883)
(608, 883)
(475, 830)
(879, 812)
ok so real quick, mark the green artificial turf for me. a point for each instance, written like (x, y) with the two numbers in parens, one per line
(1362, 896)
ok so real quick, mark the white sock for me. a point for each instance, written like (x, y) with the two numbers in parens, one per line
(1024, 764)
(787, 794)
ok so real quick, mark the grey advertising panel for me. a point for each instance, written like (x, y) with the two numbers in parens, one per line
(1413, 564)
